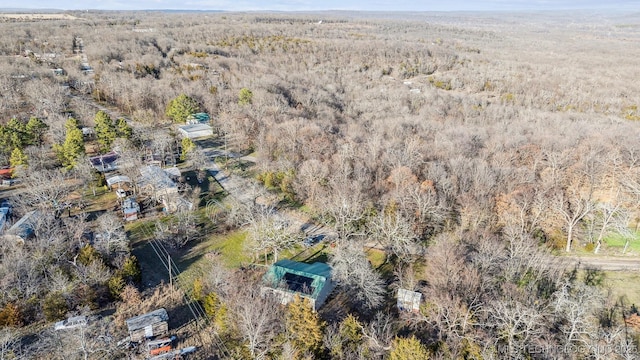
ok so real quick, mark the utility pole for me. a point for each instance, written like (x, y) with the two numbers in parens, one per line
(169, 266)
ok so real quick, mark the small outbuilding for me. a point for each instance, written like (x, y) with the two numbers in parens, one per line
(287, 278)
(5, 212)
(149, 325)
(195, 131)
(130, 209)
(409, 300)
(117, 180)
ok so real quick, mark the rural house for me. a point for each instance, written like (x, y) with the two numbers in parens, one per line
(105, 163)
(24, 228)
(287, 278)
(157, 184)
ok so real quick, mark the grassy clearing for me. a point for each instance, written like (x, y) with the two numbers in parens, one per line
(376, 257)
(230, 247)
(378, 260)
(317, 253)
(624, 284)
(615, 243)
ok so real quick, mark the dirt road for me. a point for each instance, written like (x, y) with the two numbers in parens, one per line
(607, 263)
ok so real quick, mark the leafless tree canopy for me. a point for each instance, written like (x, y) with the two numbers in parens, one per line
(467, 147)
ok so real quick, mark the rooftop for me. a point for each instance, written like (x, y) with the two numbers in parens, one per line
(297, 277)
(156, 177)
(144, 320)
(105, 158)
(198, 117)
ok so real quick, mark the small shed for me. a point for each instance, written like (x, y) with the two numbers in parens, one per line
(88, 132)
(409, 300)
(148, 325)
(6, 173)
(130, 209)
(194, 131)
(5, 212)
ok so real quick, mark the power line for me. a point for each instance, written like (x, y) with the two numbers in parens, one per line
(196, 309)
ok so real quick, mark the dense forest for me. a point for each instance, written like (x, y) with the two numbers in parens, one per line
(462, 156)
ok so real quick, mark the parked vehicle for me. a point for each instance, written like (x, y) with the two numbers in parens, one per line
(312, 240)
(71, 323)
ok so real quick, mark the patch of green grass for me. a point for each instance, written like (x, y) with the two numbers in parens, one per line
(317, 253)
(230, 246)
(624, 284)
(616, 243)
(376, 257)
(139, 230)
(103, 200)
(378, 260)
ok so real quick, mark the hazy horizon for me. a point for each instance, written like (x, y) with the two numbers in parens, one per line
(329, 5)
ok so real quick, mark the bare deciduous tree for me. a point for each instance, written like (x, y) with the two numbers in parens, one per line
(517, 325)
(394, 232)
(256, 318)
(352, 271)
(110, 238)
(9, 344)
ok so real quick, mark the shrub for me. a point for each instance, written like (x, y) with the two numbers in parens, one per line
(408, 349)
(10, 315)
(216, 310)
(87, 255)
(245, 96)
(131, 270)
(116, 284)
(54, 306)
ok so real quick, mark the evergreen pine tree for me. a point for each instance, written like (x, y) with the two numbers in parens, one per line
(105, 130)
(408, 349)
(18, 158)
(187, 147)
(304, 325)
(35, 130)
(73, 146)
(181, 107)
(123, 129)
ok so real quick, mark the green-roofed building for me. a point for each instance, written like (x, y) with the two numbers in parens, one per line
(288, 278)
(198, 118)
